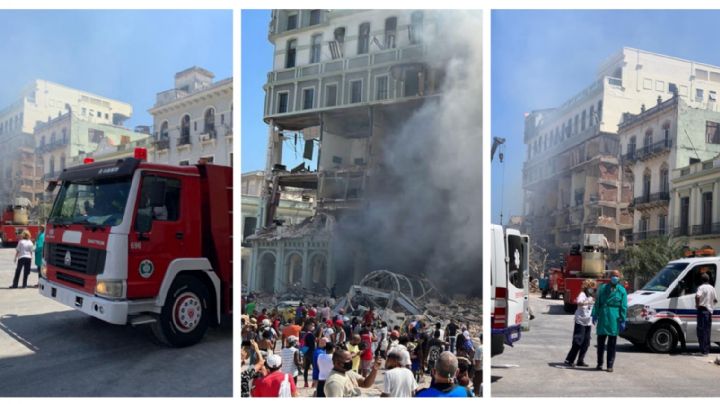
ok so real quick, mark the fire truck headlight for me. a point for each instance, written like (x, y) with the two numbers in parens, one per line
(111, 289)
(43, 270)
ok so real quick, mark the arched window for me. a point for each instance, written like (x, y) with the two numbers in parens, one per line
(647, 177)
(666, 133)
(52, 138)
(64, 136)
(210, 122)
(664, 178)
(363, 38)
(185, 127)
(52, 165)
(164, 131)
(647, 140)
(62, 162)
(584, 120)
(631, 146)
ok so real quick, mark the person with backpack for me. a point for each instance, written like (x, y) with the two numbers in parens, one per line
(275, 383)
(436, 347)
(444, 375)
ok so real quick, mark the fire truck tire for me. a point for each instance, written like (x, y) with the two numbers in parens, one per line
(544, 294)
(663, 338)
(569, 308)
(185, 316)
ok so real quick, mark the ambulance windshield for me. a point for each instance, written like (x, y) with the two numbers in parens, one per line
(100, 203)
(662, 281)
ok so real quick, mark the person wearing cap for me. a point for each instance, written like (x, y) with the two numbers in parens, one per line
(325, 365)
(444, 374)
(345, 382)
(291, 358)
(340, 336)
(269, 385)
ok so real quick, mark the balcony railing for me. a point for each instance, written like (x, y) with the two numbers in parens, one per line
(705, 229)
(658, 197)
(337, 66)
(162, 143)
(645, 152)
(58, 144)
(183, 140)
(644, 235)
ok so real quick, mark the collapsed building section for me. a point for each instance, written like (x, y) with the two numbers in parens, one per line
(363, 123)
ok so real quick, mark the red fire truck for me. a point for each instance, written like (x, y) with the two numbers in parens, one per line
(581, 263)
(14, 222)
(131, 242)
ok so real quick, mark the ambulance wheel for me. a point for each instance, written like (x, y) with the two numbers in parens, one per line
(662, 339)
(185, 314)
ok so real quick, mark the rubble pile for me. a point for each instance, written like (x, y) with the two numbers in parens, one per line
(398, 299)
(321, 224)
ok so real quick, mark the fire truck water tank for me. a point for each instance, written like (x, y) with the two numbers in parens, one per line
(20, 216)
(593, 264)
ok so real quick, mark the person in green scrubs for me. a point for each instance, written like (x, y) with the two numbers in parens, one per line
(39, 242)
(609, 313)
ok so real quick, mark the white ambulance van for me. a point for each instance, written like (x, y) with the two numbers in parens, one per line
(662, 313)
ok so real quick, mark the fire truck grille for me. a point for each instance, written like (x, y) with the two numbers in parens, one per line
(88, 261)
(69, 278)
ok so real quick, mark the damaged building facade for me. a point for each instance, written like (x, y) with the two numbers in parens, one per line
(343, 81)
(655, 143)
(577, 177)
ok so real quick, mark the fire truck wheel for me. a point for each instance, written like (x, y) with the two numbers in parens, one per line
(184, 317)
(663, 338)
(569, 308)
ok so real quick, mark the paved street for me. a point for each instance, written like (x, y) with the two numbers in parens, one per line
(47, 349)
(540, 372)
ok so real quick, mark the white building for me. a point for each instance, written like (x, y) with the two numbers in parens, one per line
(20, 169)
(570, 147)
(61, 140)
(655, 143)
(193, 121)
(696, 213)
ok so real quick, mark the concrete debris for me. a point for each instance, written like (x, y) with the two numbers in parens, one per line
(391, 297)
(320, 224)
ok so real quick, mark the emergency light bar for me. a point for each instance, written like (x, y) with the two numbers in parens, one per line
(88, 160)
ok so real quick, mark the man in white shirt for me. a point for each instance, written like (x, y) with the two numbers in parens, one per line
(705, 299)
(325, 365)
(399, 381)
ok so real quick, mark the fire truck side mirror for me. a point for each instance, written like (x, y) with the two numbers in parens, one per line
(143, 220)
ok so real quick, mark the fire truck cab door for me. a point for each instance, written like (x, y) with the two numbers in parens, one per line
(156, 235)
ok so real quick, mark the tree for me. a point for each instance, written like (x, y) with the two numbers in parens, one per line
(645, 259)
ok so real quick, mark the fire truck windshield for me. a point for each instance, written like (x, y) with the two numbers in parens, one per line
(665, 277)
(100, 202)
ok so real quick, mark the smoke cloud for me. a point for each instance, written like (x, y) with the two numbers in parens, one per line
(426, 218)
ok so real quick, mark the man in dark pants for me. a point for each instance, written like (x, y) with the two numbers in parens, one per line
(705, 299)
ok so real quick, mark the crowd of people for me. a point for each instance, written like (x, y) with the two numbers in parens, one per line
(337, 355)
